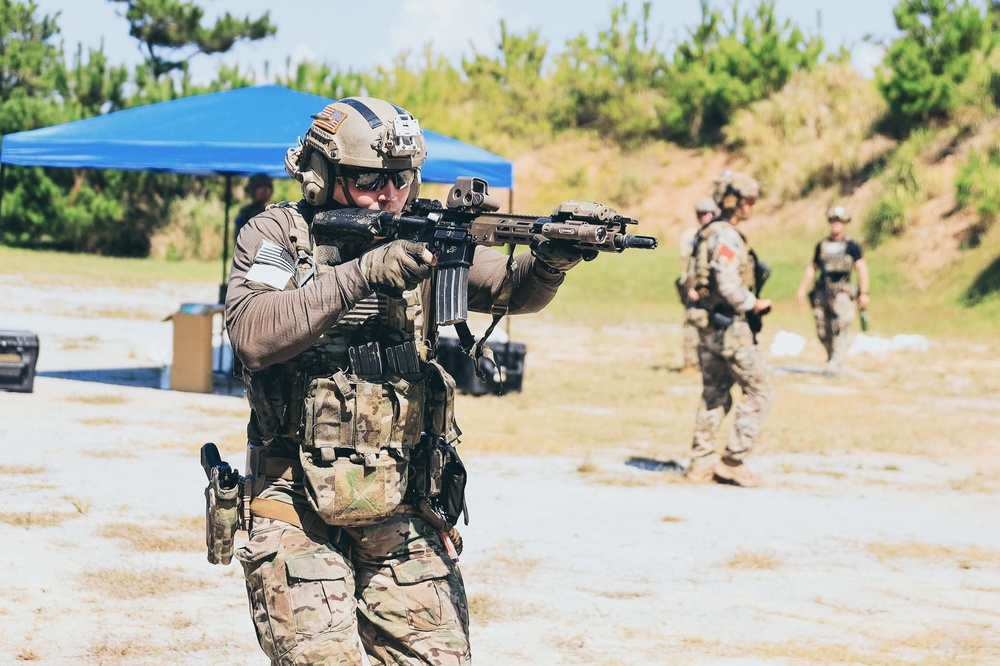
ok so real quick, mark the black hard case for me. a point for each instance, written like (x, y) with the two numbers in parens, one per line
(18, 356)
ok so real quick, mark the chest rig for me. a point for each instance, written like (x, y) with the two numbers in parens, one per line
(704, 281)
(356, 404)
(836, 264)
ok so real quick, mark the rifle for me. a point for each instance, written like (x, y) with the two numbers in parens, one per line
(222, 500)
(468, 219)
(761, 274)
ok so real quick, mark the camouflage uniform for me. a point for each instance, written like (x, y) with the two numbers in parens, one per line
(689, 333)
(834, 296)
(727, 350)
(324, 589)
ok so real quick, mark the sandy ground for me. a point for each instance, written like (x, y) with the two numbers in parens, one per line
(864, 558)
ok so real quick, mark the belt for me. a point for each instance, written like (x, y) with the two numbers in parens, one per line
(305, 519)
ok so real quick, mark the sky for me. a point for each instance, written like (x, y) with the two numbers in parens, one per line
(361, 35)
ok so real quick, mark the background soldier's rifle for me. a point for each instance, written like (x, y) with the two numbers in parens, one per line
(761, 273)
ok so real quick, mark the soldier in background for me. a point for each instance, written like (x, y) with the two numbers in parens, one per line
(834, 297)
(724, 278)
(705, 212)
(259, 188)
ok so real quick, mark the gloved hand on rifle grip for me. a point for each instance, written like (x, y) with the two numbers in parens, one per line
(396, 266)
(558, 256)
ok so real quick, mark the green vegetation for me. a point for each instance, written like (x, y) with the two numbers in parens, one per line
(945, 46)
(604, 114)
(977, 186)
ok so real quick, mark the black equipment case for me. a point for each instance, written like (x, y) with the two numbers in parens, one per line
(509, 356)
(18, 355)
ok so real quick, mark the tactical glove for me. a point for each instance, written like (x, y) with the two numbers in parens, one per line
(557, 256)
(395, 266)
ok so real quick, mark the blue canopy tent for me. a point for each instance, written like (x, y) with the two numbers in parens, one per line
(234, 132)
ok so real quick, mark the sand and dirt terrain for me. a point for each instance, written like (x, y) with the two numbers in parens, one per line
(875, 538)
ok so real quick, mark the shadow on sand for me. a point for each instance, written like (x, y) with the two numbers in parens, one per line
(223, 383)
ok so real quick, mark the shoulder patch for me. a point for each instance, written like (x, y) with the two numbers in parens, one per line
(726, 255)
(273, 265)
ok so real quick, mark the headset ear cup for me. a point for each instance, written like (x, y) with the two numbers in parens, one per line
(414, 190)
(316, 180)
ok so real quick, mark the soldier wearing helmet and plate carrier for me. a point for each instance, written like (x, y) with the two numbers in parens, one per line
(834, 298)
(352, 425)
(259, 188)
(726, 277)
(704, 211)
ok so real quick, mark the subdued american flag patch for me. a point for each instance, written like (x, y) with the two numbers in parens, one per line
(273, 265)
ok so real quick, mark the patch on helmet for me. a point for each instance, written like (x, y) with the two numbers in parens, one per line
(329, 119)
(273, 265)
(726, 256)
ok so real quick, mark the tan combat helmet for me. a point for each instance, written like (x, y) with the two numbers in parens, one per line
(838, 214)
(733, 187)
(706, 205)
(355, 133)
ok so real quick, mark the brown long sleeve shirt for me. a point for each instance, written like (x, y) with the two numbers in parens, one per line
(271, 321)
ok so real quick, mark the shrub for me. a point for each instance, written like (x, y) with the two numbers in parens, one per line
(977, 186)
(811, 133)
(942, 47)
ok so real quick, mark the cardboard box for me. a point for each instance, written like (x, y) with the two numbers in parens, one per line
(192, 365)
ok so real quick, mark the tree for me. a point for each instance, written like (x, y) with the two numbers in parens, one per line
(943, 44)
(726, 65)
(170, 32)
(616, 85)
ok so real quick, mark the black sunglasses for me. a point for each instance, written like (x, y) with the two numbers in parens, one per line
(373, 181)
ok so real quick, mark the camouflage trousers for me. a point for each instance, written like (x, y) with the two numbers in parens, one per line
(834, 312)
(690, 345)
(730, 356)
(389, 589)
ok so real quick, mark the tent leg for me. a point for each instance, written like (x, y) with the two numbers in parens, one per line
(2, 183)
(223, 285)
(225, 239)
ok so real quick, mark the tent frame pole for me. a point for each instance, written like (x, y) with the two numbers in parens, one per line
(225, 238)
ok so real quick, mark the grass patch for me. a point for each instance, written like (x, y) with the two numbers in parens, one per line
(977, 483)
(29, 519)
(484, 608)
(159, 537)
(965, 557)
(22, 469)
(110, 454)
(96, 270)
(82, 505)
(106, 399)
(89, 342)
(929, 647)
(127, 584)
(746, 560)
(101, 422)
(27, 654)
(514, 563)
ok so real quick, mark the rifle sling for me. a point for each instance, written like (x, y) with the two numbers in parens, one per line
(501, 305)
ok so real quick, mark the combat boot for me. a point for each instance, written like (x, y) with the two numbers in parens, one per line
(701, 470)
(734, 473)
